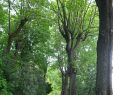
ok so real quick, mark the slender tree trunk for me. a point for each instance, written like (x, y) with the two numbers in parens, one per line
(73, 84)
(69, 83)
(64, 84)
(103, 79)
(71, 71)
(69, 78)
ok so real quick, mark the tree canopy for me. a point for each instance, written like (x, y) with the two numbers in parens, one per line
(49, 47)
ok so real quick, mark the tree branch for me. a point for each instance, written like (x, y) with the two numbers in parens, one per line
(14, 34)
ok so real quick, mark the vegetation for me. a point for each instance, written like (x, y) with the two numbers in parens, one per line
(48, 47)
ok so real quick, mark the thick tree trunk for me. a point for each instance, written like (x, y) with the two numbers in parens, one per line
(103, 79)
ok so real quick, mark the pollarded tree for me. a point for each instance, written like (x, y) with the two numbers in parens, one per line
(74, 26)
(103, 80)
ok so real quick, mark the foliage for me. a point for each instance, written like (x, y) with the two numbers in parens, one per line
(37, 53)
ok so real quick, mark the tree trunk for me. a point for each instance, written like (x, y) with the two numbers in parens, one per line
(71, 71)
(103, 79)
(69, 84)
(73, 84)
(65, 85)
(69, 78)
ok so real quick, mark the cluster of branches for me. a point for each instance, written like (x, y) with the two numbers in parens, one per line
(67, 22)
(72, 23)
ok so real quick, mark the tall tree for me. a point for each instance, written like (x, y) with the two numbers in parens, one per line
(25, 52)
(74, 27)
(103, 80)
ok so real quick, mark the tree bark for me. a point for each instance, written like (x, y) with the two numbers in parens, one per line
(64, 84)
(73, 84)
(103, 78)
(71, 72)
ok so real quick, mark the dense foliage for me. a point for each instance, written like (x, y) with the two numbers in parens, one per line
(33, 53)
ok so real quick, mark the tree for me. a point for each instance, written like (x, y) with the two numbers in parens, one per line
(25, 51)
(85, 65)
(74, 28)
(104, 65)
(48, 43)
